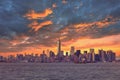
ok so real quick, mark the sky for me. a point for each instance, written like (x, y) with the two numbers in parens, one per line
(31, 26)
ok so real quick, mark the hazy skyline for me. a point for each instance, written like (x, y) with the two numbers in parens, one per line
(36, 25)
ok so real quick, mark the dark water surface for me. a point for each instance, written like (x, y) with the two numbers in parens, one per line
(59, 71)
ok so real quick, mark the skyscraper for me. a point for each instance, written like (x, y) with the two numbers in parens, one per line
(102, 54)
(110, 56)
(58, 46)
(93, 54)
(72, 50)
(78, 52)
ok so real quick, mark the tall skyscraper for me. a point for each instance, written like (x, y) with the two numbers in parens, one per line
(58, 46)
(72, 50)
(93, 54)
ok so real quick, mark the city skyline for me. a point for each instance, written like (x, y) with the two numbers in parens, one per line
(36, 25)
(75, 56)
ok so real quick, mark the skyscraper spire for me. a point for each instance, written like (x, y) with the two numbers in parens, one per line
(59, 46)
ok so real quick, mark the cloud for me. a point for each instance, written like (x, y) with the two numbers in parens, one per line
(103, 23)
(36, 26)
(98, 42)
(97, 29)
(43, 20)
(34, 15)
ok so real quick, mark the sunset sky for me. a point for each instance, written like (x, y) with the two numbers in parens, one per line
(31, 26)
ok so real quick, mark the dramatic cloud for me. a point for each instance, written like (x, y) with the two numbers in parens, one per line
(33, 15)
(104, 23)
(37, 24)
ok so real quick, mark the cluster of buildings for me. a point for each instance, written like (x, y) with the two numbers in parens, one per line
(73, 56)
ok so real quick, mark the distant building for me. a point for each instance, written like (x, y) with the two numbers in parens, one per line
(66, 54)
(77, 53)
(97, 57)
(67, 57)
(51, 56)
(92, 52)
(20, 57)
(2, 59)
(103, 56)
(58, 46)
(77, 56)
(110, 56)
(43, 57)
(89, 59)
(11, 58)
(72, 50)
(61, 56)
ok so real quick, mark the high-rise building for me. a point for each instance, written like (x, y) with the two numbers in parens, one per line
(89, 59)
(78, 52)
(93, 54)
(60, 56)
(58, 46)
(102, 54)
(67, 58)
(1, 59)
(61, 53)
(110, 56)
(97, 57)
(51, 54)
(72, 50)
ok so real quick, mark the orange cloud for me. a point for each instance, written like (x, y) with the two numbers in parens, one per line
(34, 15)
(100, 24)
(36, 26)
(86, 42)
(19, 40)
(84, 27)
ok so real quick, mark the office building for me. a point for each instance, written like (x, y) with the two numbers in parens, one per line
(72, 50)
(92, 55)
(78, 52)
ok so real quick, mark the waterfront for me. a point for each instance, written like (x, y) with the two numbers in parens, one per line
(59, 71)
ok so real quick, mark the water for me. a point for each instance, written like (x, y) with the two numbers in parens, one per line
(59, 71)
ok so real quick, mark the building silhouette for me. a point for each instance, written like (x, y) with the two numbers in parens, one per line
(59, 46)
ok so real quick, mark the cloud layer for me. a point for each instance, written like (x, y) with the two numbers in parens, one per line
(39, 23)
